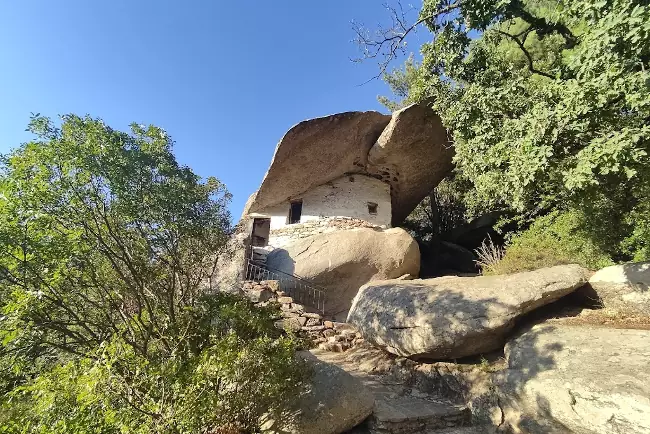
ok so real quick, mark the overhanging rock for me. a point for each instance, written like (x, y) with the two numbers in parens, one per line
(413, 154)
(316, 151)
(410, 151)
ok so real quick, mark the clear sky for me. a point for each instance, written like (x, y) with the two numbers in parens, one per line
(225, 78)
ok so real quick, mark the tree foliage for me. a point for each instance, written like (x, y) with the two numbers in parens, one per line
(108, 323)
(439, 213)
(554, 239)
(548, 103)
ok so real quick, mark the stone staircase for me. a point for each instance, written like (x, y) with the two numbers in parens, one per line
(302, 291)
(400, 410)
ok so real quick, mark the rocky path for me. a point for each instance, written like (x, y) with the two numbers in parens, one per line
(401, 410)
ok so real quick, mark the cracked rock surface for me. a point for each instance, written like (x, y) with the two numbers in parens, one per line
(453, 317)
(579, 379)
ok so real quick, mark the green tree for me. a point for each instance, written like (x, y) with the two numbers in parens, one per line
(107, 322)
(548, 103)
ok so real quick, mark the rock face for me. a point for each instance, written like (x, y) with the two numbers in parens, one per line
(624, 286)
(316, 151)
(344, 260)
(334, 403)
(410, 151)
(580, 379)
(452, 317)
(231, 262)
(414, 154)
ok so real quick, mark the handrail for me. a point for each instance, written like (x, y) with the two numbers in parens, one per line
(295, 276)
(301, 290)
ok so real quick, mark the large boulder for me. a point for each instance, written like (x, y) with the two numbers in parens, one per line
(231, 261)
(577, 379)
(625, 287)
(453, 317)
(344, 260)
(334, 402)
(316, 151)
(410, 151)
(413, 154)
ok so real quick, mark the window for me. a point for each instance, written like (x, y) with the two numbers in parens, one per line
(372, 208)
(295, 212)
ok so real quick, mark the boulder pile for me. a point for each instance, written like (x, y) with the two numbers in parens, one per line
(338, 339)
(557, 371)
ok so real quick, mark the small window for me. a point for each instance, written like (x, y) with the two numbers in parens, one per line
(295, 212)
(372, 208)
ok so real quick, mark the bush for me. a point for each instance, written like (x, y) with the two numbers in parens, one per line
(555, 239)
(241, 371)
(106, 322)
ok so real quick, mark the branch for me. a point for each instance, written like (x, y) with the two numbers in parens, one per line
(531, 66)
(392, 39)
(542, 26)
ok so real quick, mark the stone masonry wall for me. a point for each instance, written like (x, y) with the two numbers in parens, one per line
(282, 236)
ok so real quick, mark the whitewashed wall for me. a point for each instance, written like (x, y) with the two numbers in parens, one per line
(344, 197)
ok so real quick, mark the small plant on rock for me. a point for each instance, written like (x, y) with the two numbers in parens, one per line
(489, 255)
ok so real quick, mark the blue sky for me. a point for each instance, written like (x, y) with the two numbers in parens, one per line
(225, 79)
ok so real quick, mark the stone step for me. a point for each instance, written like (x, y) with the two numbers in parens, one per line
(484, 429)
(399, 410)
(407, 414)
(465, 430)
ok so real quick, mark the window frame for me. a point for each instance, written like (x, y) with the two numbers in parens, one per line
(290, 217)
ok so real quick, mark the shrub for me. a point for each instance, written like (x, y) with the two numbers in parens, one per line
(489, 254)
(241, 371)
(106, 322)
(555, 239)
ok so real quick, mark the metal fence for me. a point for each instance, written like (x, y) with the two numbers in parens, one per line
(302, 291)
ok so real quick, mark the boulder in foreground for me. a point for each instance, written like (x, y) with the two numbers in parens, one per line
(579, 379)
(453, 317)
(333, 403)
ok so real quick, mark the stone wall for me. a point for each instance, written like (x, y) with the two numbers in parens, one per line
(286, 234)
(348, 196)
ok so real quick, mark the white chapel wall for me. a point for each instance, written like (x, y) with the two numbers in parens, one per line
(347, 196)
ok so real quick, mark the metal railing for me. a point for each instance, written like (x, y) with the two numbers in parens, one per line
(301, 290)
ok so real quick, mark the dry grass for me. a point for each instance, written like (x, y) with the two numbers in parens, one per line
(607, 317)
(489, 256)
